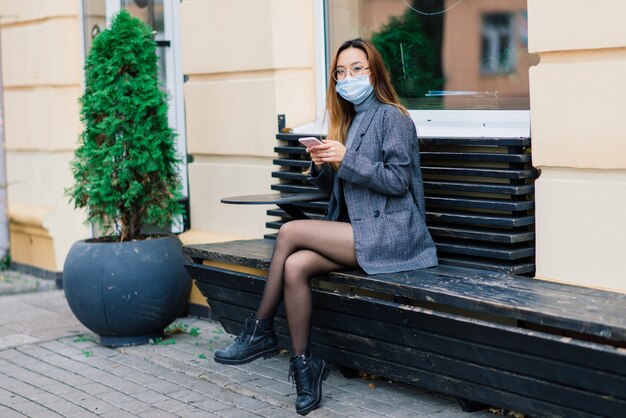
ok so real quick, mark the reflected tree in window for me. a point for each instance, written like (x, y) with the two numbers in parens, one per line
(410, 45)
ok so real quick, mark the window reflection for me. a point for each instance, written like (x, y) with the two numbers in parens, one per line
(152, 13)
(444, 54)
(94, 21)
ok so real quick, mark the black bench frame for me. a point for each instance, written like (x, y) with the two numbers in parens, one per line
(485, 336)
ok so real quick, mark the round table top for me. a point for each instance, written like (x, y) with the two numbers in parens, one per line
(274, 198)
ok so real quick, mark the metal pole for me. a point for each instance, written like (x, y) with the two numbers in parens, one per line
(4, 220)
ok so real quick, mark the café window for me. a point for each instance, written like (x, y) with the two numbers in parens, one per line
(443, 54)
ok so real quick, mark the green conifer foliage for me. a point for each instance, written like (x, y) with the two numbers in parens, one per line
(410, 45)
(124, 169)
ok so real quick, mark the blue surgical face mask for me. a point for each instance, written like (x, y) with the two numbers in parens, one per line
(355, 89)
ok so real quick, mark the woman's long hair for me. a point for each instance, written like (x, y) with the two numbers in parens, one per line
(340, 111)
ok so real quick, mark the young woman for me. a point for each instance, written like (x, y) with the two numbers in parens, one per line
(370, 167)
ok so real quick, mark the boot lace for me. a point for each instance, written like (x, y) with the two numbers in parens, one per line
(239, 339)
(299, 378)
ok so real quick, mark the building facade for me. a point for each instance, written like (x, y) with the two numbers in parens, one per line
(516, 63)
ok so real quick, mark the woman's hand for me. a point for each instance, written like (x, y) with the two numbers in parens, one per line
(329, 152)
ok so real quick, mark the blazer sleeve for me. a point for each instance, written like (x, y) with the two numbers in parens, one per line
(323, 177)
(392, 175)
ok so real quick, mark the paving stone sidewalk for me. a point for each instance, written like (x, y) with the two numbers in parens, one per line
(14, 282)
(51, 366)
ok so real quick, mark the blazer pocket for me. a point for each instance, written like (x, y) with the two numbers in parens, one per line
(399, 204)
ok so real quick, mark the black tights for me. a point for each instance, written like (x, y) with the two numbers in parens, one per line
(304, 249)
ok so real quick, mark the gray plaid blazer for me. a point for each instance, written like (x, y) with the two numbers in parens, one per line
(382, 186)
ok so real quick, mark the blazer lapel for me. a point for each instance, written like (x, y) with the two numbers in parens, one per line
(364, 125)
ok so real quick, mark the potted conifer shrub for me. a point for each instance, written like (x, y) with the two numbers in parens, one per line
(126, 286)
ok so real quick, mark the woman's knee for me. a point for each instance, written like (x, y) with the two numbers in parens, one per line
(283, 238)
(296, 270)
(288, 229)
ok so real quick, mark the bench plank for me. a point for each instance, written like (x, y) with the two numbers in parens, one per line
(287, 162)
(490, 141)
(482, 234)
(481, 250)
(475, 187)
(289, 175)
(290, 150)
(478, 218)
(248, 253)
(479, 172)
(479, 203)
(500, 266)
(428, 156)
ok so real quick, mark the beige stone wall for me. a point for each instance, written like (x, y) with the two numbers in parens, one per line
(41, 63)
(577, 122)
(246, 62)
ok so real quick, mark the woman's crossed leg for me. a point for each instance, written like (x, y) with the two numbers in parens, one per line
(304, 249)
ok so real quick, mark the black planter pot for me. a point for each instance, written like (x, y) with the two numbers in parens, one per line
(126, 292)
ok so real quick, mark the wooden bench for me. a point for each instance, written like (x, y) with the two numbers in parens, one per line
(484, 335)
(508, 341)
(479, 197)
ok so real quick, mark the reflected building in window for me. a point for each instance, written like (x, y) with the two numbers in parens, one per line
(498, 48)
(485, 54)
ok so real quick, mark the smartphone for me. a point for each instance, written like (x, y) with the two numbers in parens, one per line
(309, 141)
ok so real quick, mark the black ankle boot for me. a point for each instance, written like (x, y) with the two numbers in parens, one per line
(257, 339)
(308, 373)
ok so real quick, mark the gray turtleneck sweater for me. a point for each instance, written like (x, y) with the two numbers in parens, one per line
(360, 109)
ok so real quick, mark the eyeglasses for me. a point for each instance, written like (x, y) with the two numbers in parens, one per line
(355, 71)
